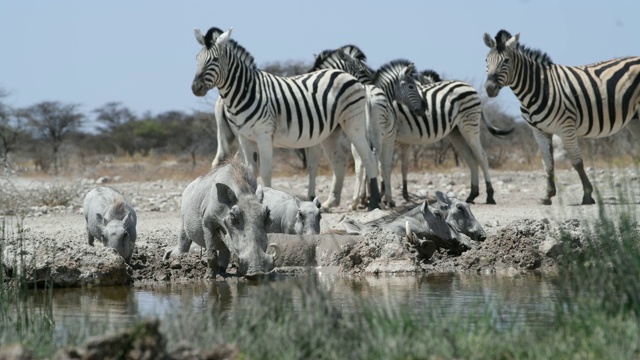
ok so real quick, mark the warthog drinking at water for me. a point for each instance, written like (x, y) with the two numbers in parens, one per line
(222, 211)
(111, 220)
(290, 215)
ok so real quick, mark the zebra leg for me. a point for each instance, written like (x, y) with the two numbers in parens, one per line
(359, 196)
(338, 153)
(462, 147)
(313, 157)
(386, 165)
(225, 136)
(359, 140)
(546, 150)
(404, 166)
(250, 153)
(573, 149)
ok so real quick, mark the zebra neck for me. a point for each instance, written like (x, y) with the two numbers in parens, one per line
(531, 83)
(239, 79)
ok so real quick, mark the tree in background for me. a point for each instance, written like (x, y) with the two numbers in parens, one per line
(53, 121)
(112, 115)
(11, 130)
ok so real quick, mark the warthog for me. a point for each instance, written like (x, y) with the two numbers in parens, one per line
(111, 220)
(222, 211)
(424, 222)
(458, 213)
(290, 215)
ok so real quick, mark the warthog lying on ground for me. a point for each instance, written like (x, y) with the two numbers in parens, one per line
(222, 211)
(111, 220)
(424, 224)
(458, 213)
(290, 215)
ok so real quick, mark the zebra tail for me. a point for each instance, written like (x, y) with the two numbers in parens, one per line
(494, 130)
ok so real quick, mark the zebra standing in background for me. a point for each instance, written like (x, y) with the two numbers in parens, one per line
(589, 101)
(294, 112)
(396, 84)
(454, 110)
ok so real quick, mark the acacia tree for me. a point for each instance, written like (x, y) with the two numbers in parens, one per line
(53, 121)
(113, 114)
(11, 130)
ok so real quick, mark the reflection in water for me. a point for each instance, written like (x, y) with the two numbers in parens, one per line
(518, 300)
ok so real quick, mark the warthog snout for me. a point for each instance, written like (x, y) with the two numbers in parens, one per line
(256, 264)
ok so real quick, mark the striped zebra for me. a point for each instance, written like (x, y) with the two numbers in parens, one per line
(293, 112)
(454, 111)
(394, 83)
(588, 101)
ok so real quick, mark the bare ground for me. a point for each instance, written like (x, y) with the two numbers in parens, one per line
(522, 235)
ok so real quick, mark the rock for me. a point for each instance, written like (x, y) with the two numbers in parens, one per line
(551, 247)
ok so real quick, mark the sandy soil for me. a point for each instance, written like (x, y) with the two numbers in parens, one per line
(521, 233)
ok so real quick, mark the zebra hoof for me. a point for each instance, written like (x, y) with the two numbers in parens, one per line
(588, 200)
(545, 201)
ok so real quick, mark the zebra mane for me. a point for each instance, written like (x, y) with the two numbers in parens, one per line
(210, 39)
(534, 54)
(392, 69)
(321, 58)
(429, 74)
(354, 52)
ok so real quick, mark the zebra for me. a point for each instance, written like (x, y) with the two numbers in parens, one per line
(454, 111)
(588, 101)
(294, 112)
(394, 83)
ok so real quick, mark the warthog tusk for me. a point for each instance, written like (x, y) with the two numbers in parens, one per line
(235, 260)
(276, 250)
(407, 229)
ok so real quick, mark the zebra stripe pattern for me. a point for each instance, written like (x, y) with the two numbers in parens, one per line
(293, 112)
(453, 110)
(394, 82)
(590, 101)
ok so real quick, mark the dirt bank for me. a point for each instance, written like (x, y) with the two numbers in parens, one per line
(521, 234)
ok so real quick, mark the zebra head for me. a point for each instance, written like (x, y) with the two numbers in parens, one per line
(498, 67)
(347, 58)
(208, 72)
(398, 80)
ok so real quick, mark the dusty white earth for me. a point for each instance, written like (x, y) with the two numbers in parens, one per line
(522, 235)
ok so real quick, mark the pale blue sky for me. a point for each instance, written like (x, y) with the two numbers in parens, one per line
(142, 53)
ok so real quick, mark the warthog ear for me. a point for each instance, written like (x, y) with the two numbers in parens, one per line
(260, 193)
(226, 195)
(102, 222)
(441, 198)
(351, 226)
(425, 207)
(317, 203)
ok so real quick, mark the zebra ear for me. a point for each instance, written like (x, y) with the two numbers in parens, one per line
(342, 55)
(410, 69)
(224, 37)
(513, 41)
(199, 36)
(488, 40)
